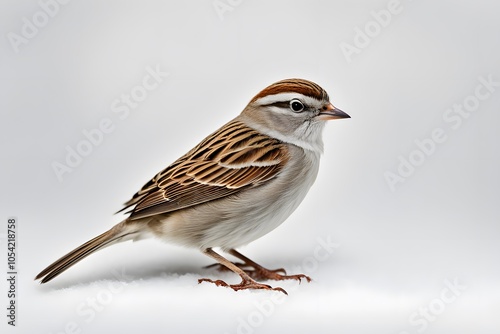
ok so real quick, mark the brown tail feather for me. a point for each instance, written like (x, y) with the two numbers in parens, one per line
(117, 233)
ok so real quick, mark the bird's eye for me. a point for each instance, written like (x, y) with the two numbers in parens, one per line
(296, 105)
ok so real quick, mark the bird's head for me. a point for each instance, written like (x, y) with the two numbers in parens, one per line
(294, 111)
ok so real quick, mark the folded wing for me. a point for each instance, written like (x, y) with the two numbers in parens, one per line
(233, 158)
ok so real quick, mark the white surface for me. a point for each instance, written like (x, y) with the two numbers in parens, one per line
(396, 249)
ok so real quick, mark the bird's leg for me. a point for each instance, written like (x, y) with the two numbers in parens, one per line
(257, 271)
(260, 273)
(249, 269)
(221, 267)
(246, 281)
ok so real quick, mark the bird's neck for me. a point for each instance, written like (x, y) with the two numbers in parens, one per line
(308, 136)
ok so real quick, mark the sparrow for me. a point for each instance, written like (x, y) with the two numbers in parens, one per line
(238, 184)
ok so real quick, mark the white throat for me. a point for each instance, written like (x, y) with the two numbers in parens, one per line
(308, 136)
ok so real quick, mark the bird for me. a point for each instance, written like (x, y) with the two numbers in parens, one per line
(235, 186)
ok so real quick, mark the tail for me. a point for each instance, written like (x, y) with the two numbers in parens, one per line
(120, 232)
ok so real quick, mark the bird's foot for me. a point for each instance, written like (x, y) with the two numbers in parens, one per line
(243, 285)
(263, 274)
(260, 273)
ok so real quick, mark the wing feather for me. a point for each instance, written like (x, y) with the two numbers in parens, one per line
(233, 158)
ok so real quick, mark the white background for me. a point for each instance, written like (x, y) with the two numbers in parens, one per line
(397, 248)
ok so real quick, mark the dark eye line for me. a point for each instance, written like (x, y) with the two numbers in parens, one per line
(285, 104)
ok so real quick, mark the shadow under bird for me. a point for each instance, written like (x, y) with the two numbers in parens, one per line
(238, 184)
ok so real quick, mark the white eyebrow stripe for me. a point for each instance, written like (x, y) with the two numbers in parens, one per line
(284, 97)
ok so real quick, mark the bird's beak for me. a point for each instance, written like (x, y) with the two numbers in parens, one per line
(330, 112)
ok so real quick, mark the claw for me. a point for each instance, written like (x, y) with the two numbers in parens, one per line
(245, 284)
(216, 282)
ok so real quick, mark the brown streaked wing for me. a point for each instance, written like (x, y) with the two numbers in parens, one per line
(233, 158)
